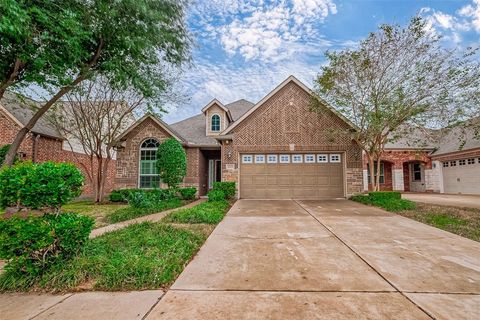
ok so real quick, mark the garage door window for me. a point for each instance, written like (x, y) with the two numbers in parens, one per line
(471, 161)
(297, 158)
(453, 163)
(247, 158)
(310, 158)
(272, 158)
(284, 158)
(445, 164)
(461, 162)
(259, 158)
(322, 158)
(334, 158)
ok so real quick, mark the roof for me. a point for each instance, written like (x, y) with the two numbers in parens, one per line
(193, 129)
(157, 120)
(460, 138)
(413, 139)
(22, 109)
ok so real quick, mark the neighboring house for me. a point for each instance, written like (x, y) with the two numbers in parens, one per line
(415, 164)
(274, 149)
(43, 142)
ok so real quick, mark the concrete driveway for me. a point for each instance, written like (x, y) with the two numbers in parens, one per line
(325, 260)
(455, 200)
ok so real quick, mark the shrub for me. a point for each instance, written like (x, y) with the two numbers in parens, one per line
(216, 195)
(34, 244)
(385, 195)
(228, 188)
(171, 162)
(119, 195)
(3, 153)
(138, 199)
(47, 184)
(188, 193)
(154, 195)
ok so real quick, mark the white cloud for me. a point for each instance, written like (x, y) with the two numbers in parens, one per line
(472, 12)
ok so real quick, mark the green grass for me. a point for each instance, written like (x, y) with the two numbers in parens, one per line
(141, 256)
(211, 212)
(99, 212)
(129, 212)
(393, 205)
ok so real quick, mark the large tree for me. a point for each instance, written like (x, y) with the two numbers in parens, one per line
(397, 80)
(131, 43)
(92, 118)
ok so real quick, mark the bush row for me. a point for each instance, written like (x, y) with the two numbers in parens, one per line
(153, 195)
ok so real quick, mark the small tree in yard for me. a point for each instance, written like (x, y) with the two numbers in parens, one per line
(132, 43)
(398, 80)
(171, 162)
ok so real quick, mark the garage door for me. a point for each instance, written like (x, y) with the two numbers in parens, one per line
(462, 176)
(291, 176)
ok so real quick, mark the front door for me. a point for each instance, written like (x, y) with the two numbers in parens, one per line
(417, 177)
(214, 172)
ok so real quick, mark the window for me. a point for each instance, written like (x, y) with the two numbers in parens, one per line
(309, 158)
(247, 158)
(272, 158)
(461, 162)
(284, 158)
(471, 161)
(335, 158)
(297, 158)
(382, 172)
(215, 127)
(148, 177)
(453, 163)
(416, 172)
(322, 158)
(445, 164)
(259, 158)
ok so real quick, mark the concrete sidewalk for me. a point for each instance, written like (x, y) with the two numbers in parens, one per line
(454, 200)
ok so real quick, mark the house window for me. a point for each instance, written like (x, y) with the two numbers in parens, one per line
(461, 162)
(284, 158)
(416, 172)
(453, 163)
(382, 173)
(259, 158)
(247, 158)
(297, 158)
(272, 158)
(148, 177)
(322, 158)
(309, 158)
(471, 161)
(334, 158)
(445, 164)
(215, 123)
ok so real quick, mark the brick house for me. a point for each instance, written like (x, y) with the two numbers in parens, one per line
(43, 142)
(276, 148)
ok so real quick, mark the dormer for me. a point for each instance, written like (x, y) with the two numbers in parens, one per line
(217, 117)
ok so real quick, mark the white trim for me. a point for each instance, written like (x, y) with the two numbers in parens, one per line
(335, 155)
(11, 116)
(218, 103)
(272, 161)
(220, 123)
(278, 88)
(259, 161)
(309, 155)
(323, 160)
(247, 161)
(297, 161)
(283, 161)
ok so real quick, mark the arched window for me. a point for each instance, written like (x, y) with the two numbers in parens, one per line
(215, 123)
(149, 177)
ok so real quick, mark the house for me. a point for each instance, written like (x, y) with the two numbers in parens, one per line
(43, 142)
(417, 163)
(276, 148)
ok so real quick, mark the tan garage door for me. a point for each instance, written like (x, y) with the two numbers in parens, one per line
(291, 176)
(462, 176)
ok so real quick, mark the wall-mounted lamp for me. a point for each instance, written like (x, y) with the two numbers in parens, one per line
(229, 154)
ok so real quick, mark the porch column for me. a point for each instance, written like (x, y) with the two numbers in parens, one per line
(397, 177)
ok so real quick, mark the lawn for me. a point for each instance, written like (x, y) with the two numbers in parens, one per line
(462, 221)
(129, 212)
(140, 256)
(99, 212)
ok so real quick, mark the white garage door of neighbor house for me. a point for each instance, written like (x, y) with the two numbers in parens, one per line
(462, 176)
(292, 176)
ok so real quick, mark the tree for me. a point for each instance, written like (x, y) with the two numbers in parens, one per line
(171, 162)
(132, 43)
(398, 80)
(92, 118)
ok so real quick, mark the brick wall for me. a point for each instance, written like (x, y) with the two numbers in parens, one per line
(283, 123)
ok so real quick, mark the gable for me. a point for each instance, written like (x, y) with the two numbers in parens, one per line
(148, 128)
(152, 122)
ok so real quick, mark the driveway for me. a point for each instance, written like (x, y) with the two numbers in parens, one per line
(455, 200)
(325, 260)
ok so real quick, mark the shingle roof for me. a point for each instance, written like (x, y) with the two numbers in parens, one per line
(23, 109)
(194, 129)
(460, 138)
(416, 139)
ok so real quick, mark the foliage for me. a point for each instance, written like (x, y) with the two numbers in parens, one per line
(41, 185)
(139, 200)
(3, 152)
(188, 193)
(94, 210)
(33, 245)
(171, 162)
(386, 200)
(399, 81)
(131, 212)
(140, 256)
(216, 195)
(122, 195)
(228, 188)
(116, 196)
(211, 212)
(385, 195)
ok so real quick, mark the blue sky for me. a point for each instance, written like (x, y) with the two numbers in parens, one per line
(244, 48)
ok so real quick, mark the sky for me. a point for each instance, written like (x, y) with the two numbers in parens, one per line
(245, 48)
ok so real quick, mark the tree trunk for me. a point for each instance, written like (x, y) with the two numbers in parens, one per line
(371, 172)
(103, 179)
(12, 76)
(12, 151)
(377, 178)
